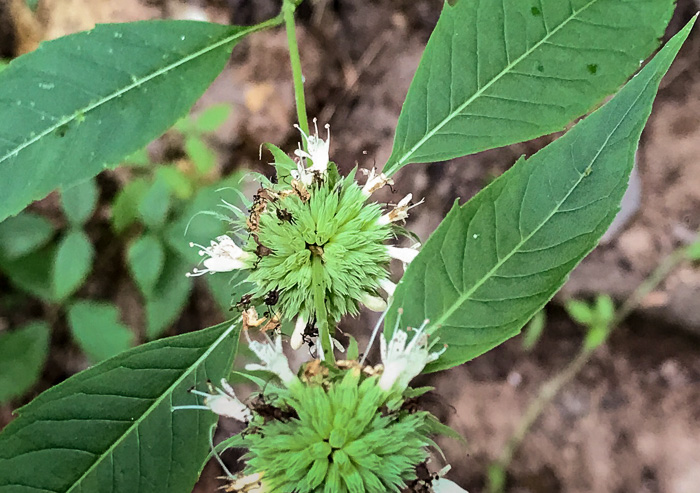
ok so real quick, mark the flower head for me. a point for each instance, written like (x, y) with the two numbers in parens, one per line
(273, 360)
(339, 440)
(223, 255)
(403, 362)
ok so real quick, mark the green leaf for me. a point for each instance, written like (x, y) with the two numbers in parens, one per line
(604, 309)
(580, 311)
(203, 158)
(84, 102)
(692, 252)
(111, 428)
(497, 72)
(79, 201)
(178, 182)
(155, 204)
(3, 64)
(282, 163)
(97, 330)
(23, 234)
(32, 273)
(169, 296)
(23, 352)
(213, 117)
(146, 257)
(125, 208)
(72, 264)
(497, 260)
(534, 329)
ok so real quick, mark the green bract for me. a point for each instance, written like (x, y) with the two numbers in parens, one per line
(339, 441)
(334, 227)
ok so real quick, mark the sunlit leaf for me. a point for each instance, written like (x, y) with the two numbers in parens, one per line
(497, 260)
(496, 72)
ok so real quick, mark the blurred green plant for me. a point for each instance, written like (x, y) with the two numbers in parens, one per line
(51, 260)
(599, 318)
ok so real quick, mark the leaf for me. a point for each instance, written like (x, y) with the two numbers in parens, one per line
(146, 257)
(83, 102)
(32, 273)
(497, 72)
(155, 203)
(579, 311)
(79, 202)
(72, 264)
(97, 330)
(534, 329)
(23, 352)
(213, 117)
(169, 296)
(126, 204)
(282, 163)
(497, 260)
(203, 158)
(23, 234)
(177, 181)
(111, 428)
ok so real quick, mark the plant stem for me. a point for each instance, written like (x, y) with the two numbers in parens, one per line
(288, 8)
(550, 389)
(324, 335)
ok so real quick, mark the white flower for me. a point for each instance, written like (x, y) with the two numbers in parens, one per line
(318, 153)
(297, 338)
(388, 287)
(405, 255)
(374, 303)
(404, 362)
(374, 181)
(400, 212)
(222, 401)
(442, 485)
(224, 256)
(273, 359)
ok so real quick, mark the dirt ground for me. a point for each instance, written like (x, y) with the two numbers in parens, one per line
(630, 422)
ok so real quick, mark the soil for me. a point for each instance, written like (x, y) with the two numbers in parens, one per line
(630, 421)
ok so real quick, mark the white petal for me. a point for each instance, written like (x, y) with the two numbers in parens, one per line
(388, 286)
(405, 255)
(443, 485)
(298, 335)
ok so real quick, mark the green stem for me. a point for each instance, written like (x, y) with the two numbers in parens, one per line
(550, 389)
(324, 335)
(288, 8)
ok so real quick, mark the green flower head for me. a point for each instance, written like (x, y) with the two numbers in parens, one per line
(338, 440)
(313, 243)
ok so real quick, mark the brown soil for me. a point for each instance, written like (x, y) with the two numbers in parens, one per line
(630, 421)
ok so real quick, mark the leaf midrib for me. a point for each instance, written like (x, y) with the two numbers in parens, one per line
(481, 90)
(467, 294)
(151, 408)
(134, 85)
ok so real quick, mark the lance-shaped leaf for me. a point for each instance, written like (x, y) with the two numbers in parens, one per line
(83, 102)
(111, 428)
(496, 72)
(494, 262)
